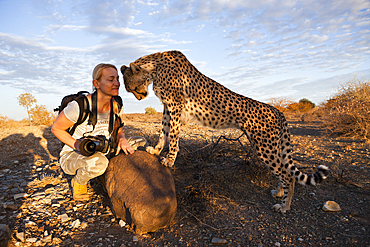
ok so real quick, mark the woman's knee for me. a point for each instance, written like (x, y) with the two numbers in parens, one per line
(98, 162)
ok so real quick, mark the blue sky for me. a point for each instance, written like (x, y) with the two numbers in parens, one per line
(261, 49)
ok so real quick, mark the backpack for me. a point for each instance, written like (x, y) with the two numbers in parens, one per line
(85, 112)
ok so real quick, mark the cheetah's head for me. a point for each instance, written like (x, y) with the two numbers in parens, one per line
(136, 80)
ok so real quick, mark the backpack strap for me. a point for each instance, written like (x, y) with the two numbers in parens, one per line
(84, 107)
(93, 118)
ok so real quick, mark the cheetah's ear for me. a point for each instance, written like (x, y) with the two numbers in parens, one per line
(135, 68)
(123, 69)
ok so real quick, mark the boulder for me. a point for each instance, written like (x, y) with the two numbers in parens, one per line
(141, 191)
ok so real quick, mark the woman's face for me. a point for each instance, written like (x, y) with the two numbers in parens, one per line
(108, 83)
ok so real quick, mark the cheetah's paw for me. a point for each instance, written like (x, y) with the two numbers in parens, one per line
(167, 162)
(280, 208)
(152, 150)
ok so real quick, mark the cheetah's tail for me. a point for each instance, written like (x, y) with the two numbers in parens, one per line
(313, 179)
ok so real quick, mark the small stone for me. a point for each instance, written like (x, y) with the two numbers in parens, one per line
(64, 218)
(277, 244)
(20, 195)
(300, 239)
(331, 206)
(218, 241)
(10, 206)
(134, 239)
(20, 236)
(47, 239)
(5, 170)
(122, 223)
(57, 240)
(32, 240)
(343, 219)
(30, 223)
(76, 223)
(39, 243)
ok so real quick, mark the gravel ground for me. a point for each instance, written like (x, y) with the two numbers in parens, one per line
(223, 192)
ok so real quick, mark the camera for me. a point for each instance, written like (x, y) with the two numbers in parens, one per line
(91, 144)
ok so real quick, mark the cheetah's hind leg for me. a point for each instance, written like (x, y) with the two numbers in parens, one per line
(288, 191)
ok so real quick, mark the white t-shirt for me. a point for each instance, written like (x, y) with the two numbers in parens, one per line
(72, 111)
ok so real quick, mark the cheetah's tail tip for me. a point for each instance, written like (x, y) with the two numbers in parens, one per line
(322, 171)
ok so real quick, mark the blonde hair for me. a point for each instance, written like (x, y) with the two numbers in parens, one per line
(98, 71)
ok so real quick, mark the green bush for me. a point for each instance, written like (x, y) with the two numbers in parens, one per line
(150, 111)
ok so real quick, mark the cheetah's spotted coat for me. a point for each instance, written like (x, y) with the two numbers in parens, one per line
(183, 89)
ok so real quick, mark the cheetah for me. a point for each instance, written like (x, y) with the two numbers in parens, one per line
(184, 90)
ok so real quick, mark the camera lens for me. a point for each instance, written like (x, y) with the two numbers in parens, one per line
(87, 147)
(90, 146)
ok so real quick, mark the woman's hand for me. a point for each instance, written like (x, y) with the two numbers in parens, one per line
(123, 145)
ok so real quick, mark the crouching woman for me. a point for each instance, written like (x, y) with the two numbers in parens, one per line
(106, 85)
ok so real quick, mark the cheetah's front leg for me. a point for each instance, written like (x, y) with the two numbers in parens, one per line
(163, 137)
(279, 192)
(174, 111)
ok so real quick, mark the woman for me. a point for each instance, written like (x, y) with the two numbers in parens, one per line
(106, 83)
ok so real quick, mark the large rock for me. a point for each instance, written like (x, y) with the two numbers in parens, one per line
(141, 190)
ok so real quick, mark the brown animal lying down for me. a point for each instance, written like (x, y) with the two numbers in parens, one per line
(141, 190)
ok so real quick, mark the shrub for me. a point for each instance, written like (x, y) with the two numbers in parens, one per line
(301, 107)
(307, 102)
(41, 116)
(150, 111)
(280, 103)
(347, 113)
(4, 121)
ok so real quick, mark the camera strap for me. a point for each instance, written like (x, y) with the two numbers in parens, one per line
(93, 117)
(111, 117)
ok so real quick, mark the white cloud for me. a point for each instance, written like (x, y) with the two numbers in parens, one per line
(200, 28)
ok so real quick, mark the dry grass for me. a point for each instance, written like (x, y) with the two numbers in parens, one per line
(7, 122)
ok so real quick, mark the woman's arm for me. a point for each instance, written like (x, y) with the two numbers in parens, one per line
(59, 129)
